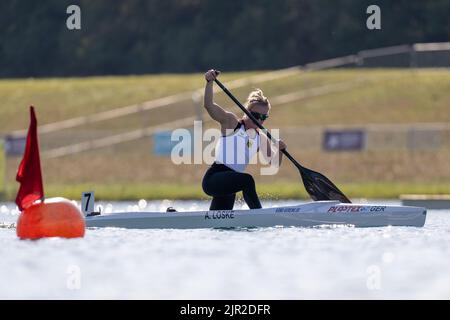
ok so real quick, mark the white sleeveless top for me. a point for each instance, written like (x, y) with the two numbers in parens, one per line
(236, 150)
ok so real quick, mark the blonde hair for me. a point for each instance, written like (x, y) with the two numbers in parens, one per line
(256, 97)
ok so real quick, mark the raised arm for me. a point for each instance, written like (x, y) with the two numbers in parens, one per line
(227, 120)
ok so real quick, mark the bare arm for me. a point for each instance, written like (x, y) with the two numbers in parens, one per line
(272, 153)
(227, 120)
(279, 154)
(266, 147)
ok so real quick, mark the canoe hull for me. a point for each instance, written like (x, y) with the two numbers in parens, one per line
(304, 215)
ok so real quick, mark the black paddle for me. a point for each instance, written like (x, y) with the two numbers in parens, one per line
(317, 185)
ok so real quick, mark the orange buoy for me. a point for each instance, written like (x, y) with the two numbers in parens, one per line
(55, 217)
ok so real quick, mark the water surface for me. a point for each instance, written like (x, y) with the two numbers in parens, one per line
(266, 263)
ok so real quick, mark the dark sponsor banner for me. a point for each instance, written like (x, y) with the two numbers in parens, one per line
(15, 146)
(344, 140)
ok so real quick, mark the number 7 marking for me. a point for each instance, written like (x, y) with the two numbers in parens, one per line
(88, 195)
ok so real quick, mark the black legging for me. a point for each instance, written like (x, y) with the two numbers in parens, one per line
(222, 183)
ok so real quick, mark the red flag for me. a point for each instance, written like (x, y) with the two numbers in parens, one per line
(29, 173)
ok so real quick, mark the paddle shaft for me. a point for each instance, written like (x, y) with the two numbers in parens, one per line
(266, 132)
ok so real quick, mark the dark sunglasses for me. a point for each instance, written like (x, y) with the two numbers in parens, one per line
(259, 116)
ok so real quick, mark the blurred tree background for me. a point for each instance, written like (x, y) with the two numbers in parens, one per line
(156, 36)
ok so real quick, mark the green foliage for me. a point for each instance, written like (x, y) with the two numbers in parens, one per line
(139, 36)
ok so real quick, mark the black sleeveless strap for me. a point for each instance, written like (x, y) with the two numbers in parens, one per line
(235, 129)
(240, 123)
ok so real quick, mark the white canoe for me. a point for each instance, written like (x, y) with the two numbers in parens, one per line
(303, 215)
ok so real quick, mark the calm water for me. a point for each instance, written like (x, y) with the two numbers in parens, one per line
(269, 263)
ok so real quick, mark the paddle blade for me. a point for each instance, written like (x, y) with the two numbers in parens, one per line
(320, 187)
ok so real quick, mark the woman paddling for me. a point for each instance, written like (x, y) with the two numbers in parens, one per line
(239, 142)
